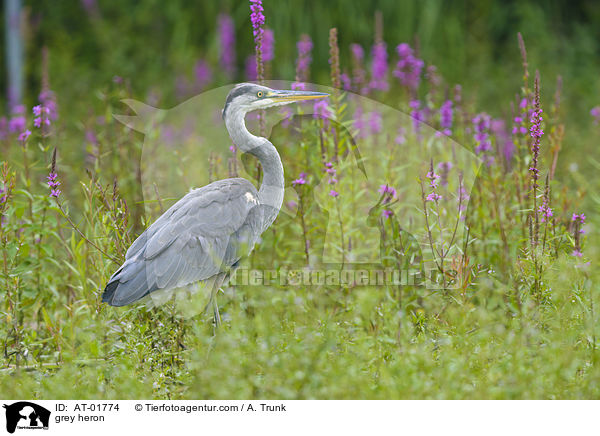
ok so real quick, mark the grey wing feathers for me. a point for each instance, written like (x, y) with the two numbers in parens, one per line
(204, 233)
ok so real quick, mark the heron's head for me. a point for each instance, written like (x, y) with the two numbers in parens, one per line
(247, 97)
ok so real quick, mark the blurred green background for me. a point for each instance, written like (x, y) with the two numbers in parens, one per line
(150, 43)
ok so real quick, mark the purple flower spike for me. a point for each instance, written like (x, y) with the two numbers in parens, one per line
(227, 44)
(408, 69)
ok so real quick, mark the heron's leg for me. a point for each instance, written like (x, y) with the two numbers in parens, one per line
(216, 311)
(213, 298)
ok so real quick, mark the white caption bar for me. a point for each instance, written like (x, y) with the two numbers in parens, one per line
(23, 417)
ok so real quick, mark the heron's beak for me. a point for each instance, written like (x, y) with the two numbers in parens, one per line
(289, 96)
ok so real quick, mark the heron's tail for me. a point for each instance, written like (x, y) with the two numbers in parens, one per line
(109, 292)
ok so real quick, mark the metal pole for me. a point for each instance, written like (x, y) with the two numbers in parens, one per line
(14, 52)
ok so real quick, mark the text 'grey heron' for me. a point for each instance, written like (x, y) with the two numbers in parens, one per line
(203, 236)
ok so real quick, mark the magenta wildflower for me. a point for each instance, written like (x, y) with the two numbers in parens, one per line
(503, 139)
(408, 69)
(435, 197)
(358, 71)
(388, 193)
(17, 124)
(227, 44)
(48, 100)
(578, 218)
(417, 114)
(357, 52)
(432, 76)
(375, 122)
(379, 67)
(24, 135)
(577, 253)
(304, 47)
(481, 124)
(334, 193)
(41, 114)
(444, 168)
(202, 73)
(536, 132)
(321, 110)
(53, 184)
(400, 136)
(257, 19)
(331, 172)
(433, 179)
(595, 112)
(359, 123)
(386, 213)
(301, 180)
(446, 115)
(268, 45)
(346, 82)
(546, 212)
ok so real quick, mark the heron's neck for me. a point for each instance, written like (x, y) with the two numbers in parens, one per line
(272, 186)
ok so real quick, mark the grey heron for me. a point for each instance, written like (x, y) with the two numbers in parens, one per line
(203, 236)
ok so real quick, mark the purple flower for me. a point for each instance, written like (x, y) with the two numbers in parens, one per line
(580, 218)
(42, 116)
(595, 112)
(408, 69)
(357, 51)
(446, 113)
(321, 110)
(24, 135)
(536, 132)
(433, 197)
(346, 82)
(444, 168)
(203, 74)
(268, 45)
(523, 103)
(417, 114)
(386, 213)
(388, 193)
(375, 122)
(304, 47)
(433, 179)
(358, 71)
(400, 136)
(577, 253)
(379, 67)
(301, 180)
(334, 193)
(257, 19)
(227, 44)
(48, 101)
(17, 124)
(546, 212)
(481, 124)
(53, 184)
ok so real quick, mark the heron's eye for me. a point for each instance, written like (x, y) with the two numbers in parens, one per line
(259, 94)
